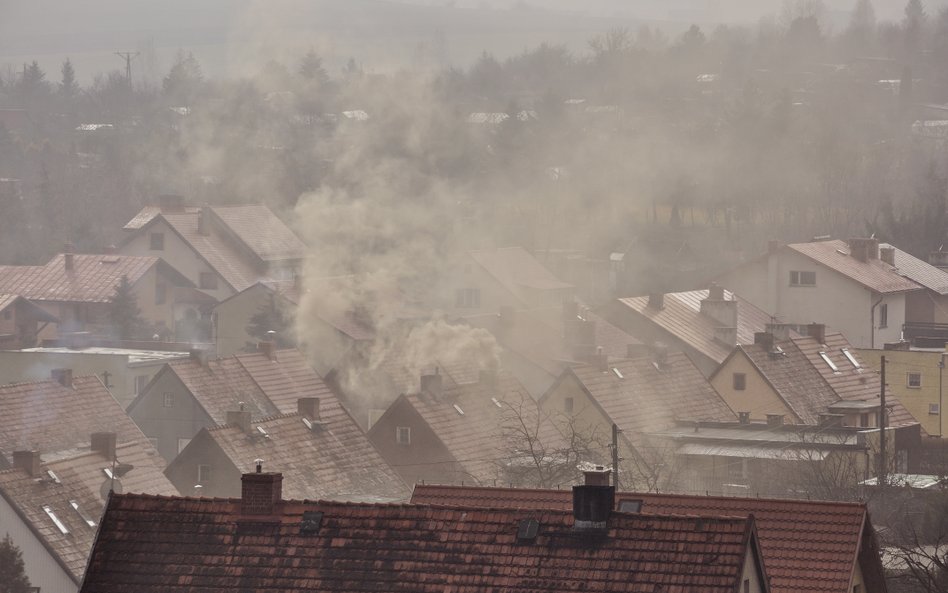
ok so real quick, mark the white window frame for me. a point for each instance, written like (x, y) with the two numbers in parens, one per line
(934, 409)
(203, 473)
(403, 435)
(908, 379)
(167, 399)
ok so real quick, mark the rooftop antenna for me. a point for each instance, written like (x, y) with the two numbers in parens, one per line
(128, 56)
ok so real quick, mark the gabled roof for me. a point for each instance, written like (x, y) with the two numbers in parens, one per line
(261, 231)
(470, 419)
(807, 546)
(334, 461)
(93, 278)
(682, 318)
(647, 397)
(172, 545)
(285, 378)
(918, 271)
(81, 479)
(9, 300)
(48, 417)
(517, 271)
(873, 274)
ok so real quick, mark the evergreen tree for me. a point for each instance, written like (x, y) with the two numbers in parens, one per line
(311, 68)
(68, 88)
(272, 322)
(13, 577)
(184, 79)
(124, 313)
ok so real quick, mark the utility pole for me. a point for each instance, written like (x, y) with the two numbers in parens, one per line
(882, 423)
(128, 56)
(615, 457)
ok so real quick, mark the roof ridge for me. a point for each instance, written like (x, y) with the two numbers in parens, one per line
(84, 378)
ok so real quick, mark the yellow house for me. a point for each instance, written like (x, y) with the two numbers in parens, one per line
(915, 377)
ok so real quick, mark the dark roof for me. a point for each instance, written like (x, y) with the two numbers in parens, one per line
(80, 479)
(169, 545)
(807, 546)
(922, 272)
(874, 274)
(8, 300)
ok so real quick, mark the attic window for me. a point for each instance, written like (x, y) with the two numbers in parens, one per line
(75, 505)
(527, 530)
(829, 362)
(496, 403)
(630, 506)
(852, 359)
(617, 372)
(59, 524)
(459, 410)
(312, 521)
(53, 476)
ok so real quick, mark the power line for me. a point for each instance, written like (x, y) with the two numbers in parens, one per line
(128, 56)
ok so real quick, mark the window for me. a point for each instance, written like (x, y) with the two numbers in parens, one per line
(157, 242)
(167, 399)
(207, 281)
(739, 381)
(204, 473)
(934, 409)
(140, 382)
(568, 405)
(829, 363)
(864, 420)
(852, 359)
(161, 293)
(747, 586)
(59, 524)
(857, 588)
(883, 315)
(403, 435)
(468, 298)
(182, 443)
(913, 380)
(800, 278)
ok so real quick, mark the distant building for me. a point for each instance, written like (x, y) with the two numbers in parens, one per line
(188, 543)
(21, 321)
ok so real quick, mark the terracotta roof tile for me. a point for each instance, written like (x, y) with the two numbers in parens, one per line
(170, 545)
(874, 274)
(807, 546)
(792, 374)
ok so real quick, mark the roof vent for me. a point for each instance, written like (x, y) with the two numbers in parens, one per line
(312, 521)
(527, 530)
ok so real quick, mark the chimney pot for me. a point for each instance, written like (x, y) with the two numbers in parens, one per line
(198, 355)
(104, 443)
(203, 221)
(28, 461)
(260, 493)
(308, 407)
(592, 506)
(864, 249)
(716, 292)
(598, 476)
(239, 418)
(68, 261)
(723, 311)
(62, 376)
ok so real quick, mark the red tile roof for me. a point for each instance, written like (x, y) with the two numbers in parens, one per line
(874, 274)
(92, 279)
(48, 417)
(153, 544)
(81, 479)
(681, 317)
(807, 546)
(336, 461)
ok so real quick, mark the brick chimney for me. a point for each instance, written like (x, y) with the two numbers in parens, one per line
(887, 255)
(656, 300)
(308, 407)
(593, 501)
(864, 249)
(62, 376)
(817, 331)
(198, 355)
(260, 493)
(104, 444)
(726, 335)
(203, 221)
(28, 461)
(780, 331)
(432, 384)
(723, 311)
(765, 340)
(69, 259)
(268, 348)
(239, 418)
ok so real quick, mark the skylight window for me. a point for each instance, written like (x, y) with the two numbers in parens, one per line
(496, 403)
(852, 359)
(829, 362)
(263, 432)
(59, 524)
(53, 476)
(75, 505)
(617, 372)
(108, 473)
(459, 410)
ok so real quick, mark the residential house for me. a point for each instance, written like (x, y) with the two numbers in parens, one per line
(21, 321)
(801, 379)
(295, 546)
(320, 450)
(704, 324)
(537, 344)
(638, 396)
(123, 371)
(51, 508)
(221, 249)
(77, 288)
(485, 280)
(843, 285)
(476, 432)
(807, 545)
(188, 395)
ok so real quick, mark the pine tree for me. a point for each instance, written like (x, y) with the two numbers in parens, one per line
(68, 87)
(272, 317)
(124, 313)
(13, 577)
(311, 68)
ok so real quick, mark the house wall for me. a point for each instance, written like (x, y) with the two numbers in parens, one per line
(750, 574)
(167, 425)
(464, 273)
(161, 315)
(178, 254)
(425, 459)
(925, 306)
(41, 567)
(232, 317)
(899, 363)
(224, 476)
(758, 397)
